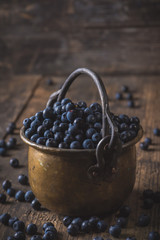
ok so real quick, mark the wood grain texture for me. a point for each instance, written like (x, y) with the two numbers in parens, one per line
(146, 94)
(115, 37)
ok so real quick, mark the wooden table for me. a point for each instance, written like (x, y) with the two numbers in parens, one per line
(121, 41)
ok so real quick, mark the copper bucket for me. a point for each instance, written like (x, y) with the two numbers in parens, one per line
(84, 182)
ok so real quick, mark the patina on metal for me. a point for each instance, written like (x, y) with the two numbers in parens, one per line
(84, 182)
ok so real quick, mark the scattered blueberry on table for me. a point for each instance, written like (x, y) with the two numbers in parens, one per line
(143, 220)
(2, 198)
(156, 131)
(115, 230)
(153, 236)
(14, 162)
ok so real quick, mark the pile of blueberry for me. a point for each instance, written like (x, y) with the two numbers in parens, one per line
(75, 126)
(50, 232)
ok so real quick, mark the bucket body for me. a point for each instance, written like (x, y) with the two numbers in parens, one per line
(59, 181)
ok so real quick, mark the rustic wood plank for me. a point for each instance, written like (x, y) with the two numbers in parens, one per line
(15, 91)
(111, 51)
(145, 90)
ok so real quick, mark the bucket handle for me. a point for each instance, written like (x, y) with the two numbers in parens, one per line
(108, 144)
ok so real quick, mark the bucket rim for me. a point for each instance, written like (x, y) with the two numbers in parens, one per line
(53, 149)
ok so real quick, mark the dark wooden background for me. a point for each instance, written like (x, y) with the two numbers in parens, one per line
(49, 39)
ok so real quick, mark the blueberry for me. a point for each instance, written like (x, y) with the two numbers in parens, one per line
(41, 141)
(148, 193)
(73, 130)
(19, 236)
(71, 115)
(119, 96)
(29, 132)
(153, 236)
(156, 132)
(124, 118)
(67, 221)
(11, 192)
(47, 123)
(36, 237)
(56, 129)
(69, 106)
(143, 220)
(134, 127)
(77, 221)
(56, 104)
(72, 230)
(98, 238)
(131, 104)
(124, 211)
(49, 236)
(78, 122)
(6, 184)
(64, 118)
(101, 226)
(2, 151)
(134, 120)
(75, 145)
(20, 196)
(51, 229)
(85, 226)
(39, 116)
(51, 143)
(23, 179)
(91, 118)
(98, 116)
(2, 144)
(32, 118)
(93, 222)
(34, 137)
(90, 132)
(49, 82)
(115, 230)
(48, 134)
(29, 196)
(63, 126)
(124, 136)
(68, 139)
(36, 204)
(58, 137)
(156, 197)
(35, 124)
(10, 238)
(31, 229)
(56, 123)
(123, 127)
(144, 146)
(12, 221)
(130, 238)
(96, 137)
(148, 203)
(12, 125)
(2, 198)
(148, 140)
(10, 130)
(88, 144)
(48, 113)
(98, 126)
(88, 111)
(63, 145)
(14, 162)
(125, 88)
(96, 107)
(11, 143)
(64, 101)
(18, 226)
(122, 222)
(58, 110)
(129, 96)
(47, 224)
(40, 130)
(79, 138)
(4, 218)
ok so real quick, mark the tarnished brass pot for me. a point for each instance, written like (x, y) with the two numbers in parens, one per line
(59, 179)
